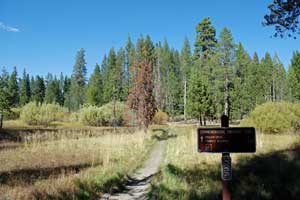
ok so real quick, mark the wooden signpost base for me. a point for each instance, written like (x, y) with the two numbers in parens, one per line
(225, 183)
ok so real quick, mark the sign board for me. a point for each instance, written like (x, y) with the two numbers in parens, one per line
(226, 170)
(230, 140)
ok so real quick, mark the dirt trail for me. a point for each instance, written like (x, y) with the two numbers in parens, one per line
(137, 187)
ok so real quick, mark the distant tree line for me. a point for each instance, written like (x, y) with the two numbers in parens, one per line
(218, 76)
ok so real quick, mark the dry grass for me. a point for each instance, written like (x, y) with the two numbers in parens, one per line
(62, 166)
(187, 174)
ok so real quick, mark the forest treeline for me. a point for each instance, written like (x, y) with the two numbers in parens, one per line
(216, 76)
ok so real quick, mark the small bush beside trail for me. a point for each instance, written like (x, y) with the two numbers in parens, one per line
(160, 117)
(275, 117)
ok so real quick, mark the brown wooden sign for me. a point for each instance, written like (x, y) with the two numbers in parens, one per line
(231, 140)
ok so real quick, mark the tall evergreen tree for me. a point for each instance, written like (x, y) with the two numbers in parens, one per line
(78, 81)
(266, 74)
(95, 88)
(66, 93)
(294, 77)
(205, 42)
(279, 80)
(240, 93)
(169, 67)
(186, 64)
(13, 88)
(198, 97)
(254, 81)
(108, 77)
(38, 90)
(120, 76)
(129, 59)
(226, 50)
(24, 89)
(61, 88)
(158, 82)
(4, 95)
(204, 59)
(53, 93)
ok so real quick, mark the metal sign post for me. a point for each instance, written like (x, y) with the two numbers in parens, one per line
(226, 169)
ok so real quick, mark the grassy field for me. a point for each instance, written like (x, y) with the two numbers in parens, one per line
(66, 163)
(273, 172)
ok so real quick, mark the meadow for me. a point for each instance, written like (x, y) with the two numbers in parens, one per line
(271, 173)
(68, 163)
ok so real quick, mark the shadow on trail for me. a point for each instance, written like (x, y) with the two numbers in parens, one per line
(164, 134)
(138, 182)
(270, 176)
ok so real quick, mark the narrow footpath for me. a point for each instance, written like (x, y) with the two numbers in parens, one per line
(138, 185)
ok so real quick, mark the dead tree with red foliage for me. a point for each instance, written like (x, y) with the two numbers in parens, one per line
(141, 94)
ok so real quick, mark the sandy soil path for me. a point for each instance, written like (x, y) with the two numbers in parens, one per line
(138, 185)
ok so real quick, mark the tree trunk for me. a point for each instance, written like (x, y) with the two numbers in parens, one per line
(274, 90)
(1, 120)
(226, 93)
(200, 120)
(184, 101)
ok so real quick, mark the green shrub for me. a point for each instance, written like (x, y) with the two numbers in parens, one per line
(114, 114)
(40, 114)
(275, 117)
(106, 115)
(160, 117)
(13, 114)
(91, 116)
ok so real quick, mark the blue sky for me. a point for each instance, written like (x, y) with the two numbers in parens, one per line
(44, 36)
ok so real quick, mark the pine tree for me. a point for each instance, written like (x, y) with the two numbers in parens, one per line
(141, 96)
(66, 93)
(169, 67)
(31, 83)
(108, 80)
(177, 80)
(204, 59)
(254, 81)
(186, 64)
(38, 90)
(294, 77)
(205, 42)
(240, 94)
(4, 95)
(198, 97)
(226, 50)
(120, 76)
(129, 59)
(78, 81)
(266, 74)
(24, 89)
(53, 93)
(95, 88)
(13, 88)
(61, 88)
(158, 82)
(134, 95)
(279, 80)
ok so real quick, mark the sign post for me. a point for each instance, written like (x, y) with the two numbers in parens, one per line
(226, 140)
(226, 165)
